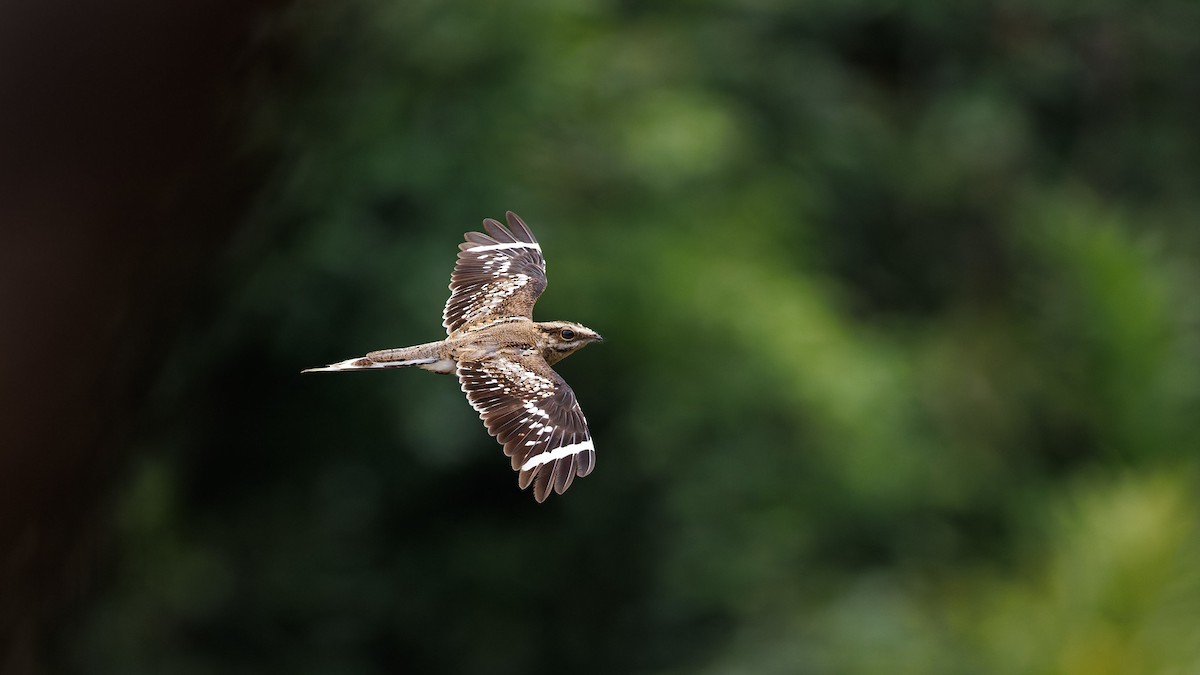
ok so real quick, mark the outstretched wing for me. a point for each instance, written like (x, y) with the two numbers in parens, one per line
(499, 275)
(533, 413)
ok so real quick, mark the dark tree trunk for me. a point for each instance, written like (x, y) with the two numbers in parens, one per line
(117, 187)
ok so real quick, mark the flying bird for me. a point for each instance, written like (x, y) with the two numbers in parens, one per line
(502, 357)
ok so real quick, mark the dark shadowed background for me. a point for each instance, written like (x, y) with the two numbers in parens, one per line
(902, 369)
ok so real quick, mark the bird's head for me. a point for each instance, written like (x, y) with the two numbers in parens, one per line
(562, 338)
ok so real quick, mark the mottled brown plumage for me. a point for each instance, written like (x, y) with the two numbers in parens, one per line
(502, 357)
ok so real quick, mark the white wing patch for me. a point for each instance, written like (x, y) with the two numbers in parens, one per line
(558, 453)
(501, 247)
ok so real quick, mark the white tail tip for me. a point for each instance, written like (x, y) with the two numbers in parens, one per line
(363, 363)
(359, 363)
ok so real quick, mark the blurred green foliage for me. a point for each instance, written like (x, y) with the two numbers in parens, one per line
(902, 367)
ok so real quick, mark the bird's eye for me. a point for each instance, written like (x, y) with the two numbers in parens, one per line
(567, 334)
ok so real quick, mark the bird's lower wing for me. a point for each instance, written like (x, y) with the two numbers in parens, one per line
(533, 413)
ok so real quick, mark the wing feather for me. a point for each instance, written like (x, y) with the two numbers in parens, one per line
(498, 276)
(533, 414)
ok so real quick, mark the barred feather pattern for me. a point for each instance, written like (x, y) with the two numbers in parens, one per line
(498, 274)
(533, 413)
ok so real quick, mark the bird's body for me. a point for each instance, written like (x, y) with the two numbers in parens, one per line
(517, 336)
(502, 357)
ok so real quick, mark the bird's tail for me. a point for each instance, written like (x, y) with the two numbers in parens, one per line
(424, 356)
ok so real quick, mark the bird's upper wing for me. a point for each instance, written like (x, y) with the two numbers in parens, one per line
(533, 413)
(498, 275)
